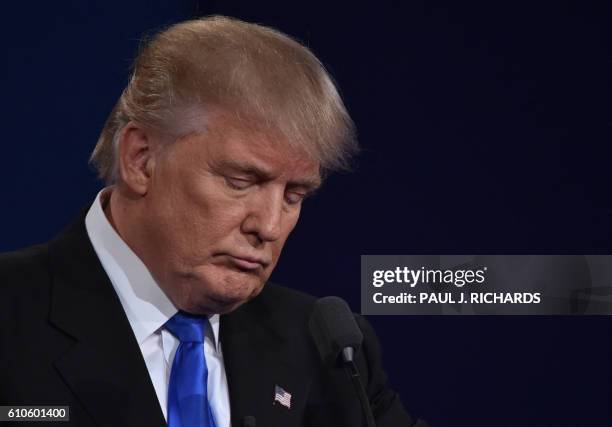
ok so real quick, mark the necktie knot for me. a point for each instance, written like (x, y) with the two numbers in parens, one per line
(187, 327)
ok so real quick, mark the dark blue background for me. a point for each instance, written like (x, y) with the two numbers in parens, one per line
(485, 128)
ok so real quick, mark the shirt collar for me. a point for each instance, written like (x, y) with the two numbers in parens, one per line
(147, 307)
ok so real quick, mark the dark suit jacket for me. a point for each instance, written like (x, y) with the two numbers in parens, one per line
(65, 340)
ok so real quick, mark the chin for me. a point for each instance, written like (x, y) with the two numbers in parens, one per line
(220, 295)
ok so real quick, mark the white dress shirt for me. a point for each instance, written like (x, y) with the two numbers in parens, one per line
(148, 308)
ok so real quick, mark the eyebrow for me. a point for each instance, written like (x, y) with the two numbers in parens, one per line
(260, 172)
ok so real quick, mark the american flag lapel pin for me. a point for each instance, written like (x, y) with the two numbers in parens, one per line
(281, 396)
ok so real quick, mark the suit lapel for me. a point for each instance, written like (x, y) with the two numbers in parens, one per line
(257, 358)
(104, 368)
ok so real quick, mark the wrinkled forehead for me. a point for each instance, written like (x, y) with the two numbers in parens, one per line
(254, 134)
(234, 127)
(243, 143)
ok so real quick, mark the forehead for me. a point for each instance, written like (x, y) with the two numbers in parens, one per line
(230, 145)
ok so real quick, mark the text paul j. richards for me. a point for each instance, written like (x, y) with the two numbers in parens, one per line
(462, 298)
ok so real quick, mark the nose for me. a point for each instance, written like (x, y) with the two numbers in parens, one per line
(265, 215)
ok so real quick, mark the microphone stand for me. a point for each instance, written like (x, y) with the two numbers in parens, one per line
(353, 373)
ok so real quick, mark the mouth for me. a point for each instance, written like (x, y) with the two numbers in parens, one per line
(246, 263)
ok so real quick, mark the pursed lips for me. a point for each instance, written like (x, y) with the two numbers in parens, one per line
(247, 262)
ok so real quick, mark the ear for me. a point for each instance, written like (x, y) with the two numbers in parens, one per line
(136, 160)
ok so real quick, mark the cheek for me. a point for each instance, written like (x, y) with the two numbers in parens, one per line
(197, 220)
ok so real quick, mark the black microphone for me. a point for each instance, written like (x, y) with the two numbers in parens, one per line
(248, 421)
(334, 329)
(337, 338)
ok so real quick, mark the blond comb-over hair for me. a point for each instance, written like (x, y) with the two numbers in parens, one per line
(262, 77)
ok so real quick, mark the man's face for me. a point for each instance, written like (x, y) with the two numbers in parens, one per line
(218, 211)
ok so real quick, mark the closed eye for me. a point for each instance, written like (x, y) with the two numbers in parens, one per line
(238, 183)
(294, 198)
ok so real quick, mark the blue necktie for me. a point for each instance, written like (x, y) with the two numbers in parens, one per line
(188, 392)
